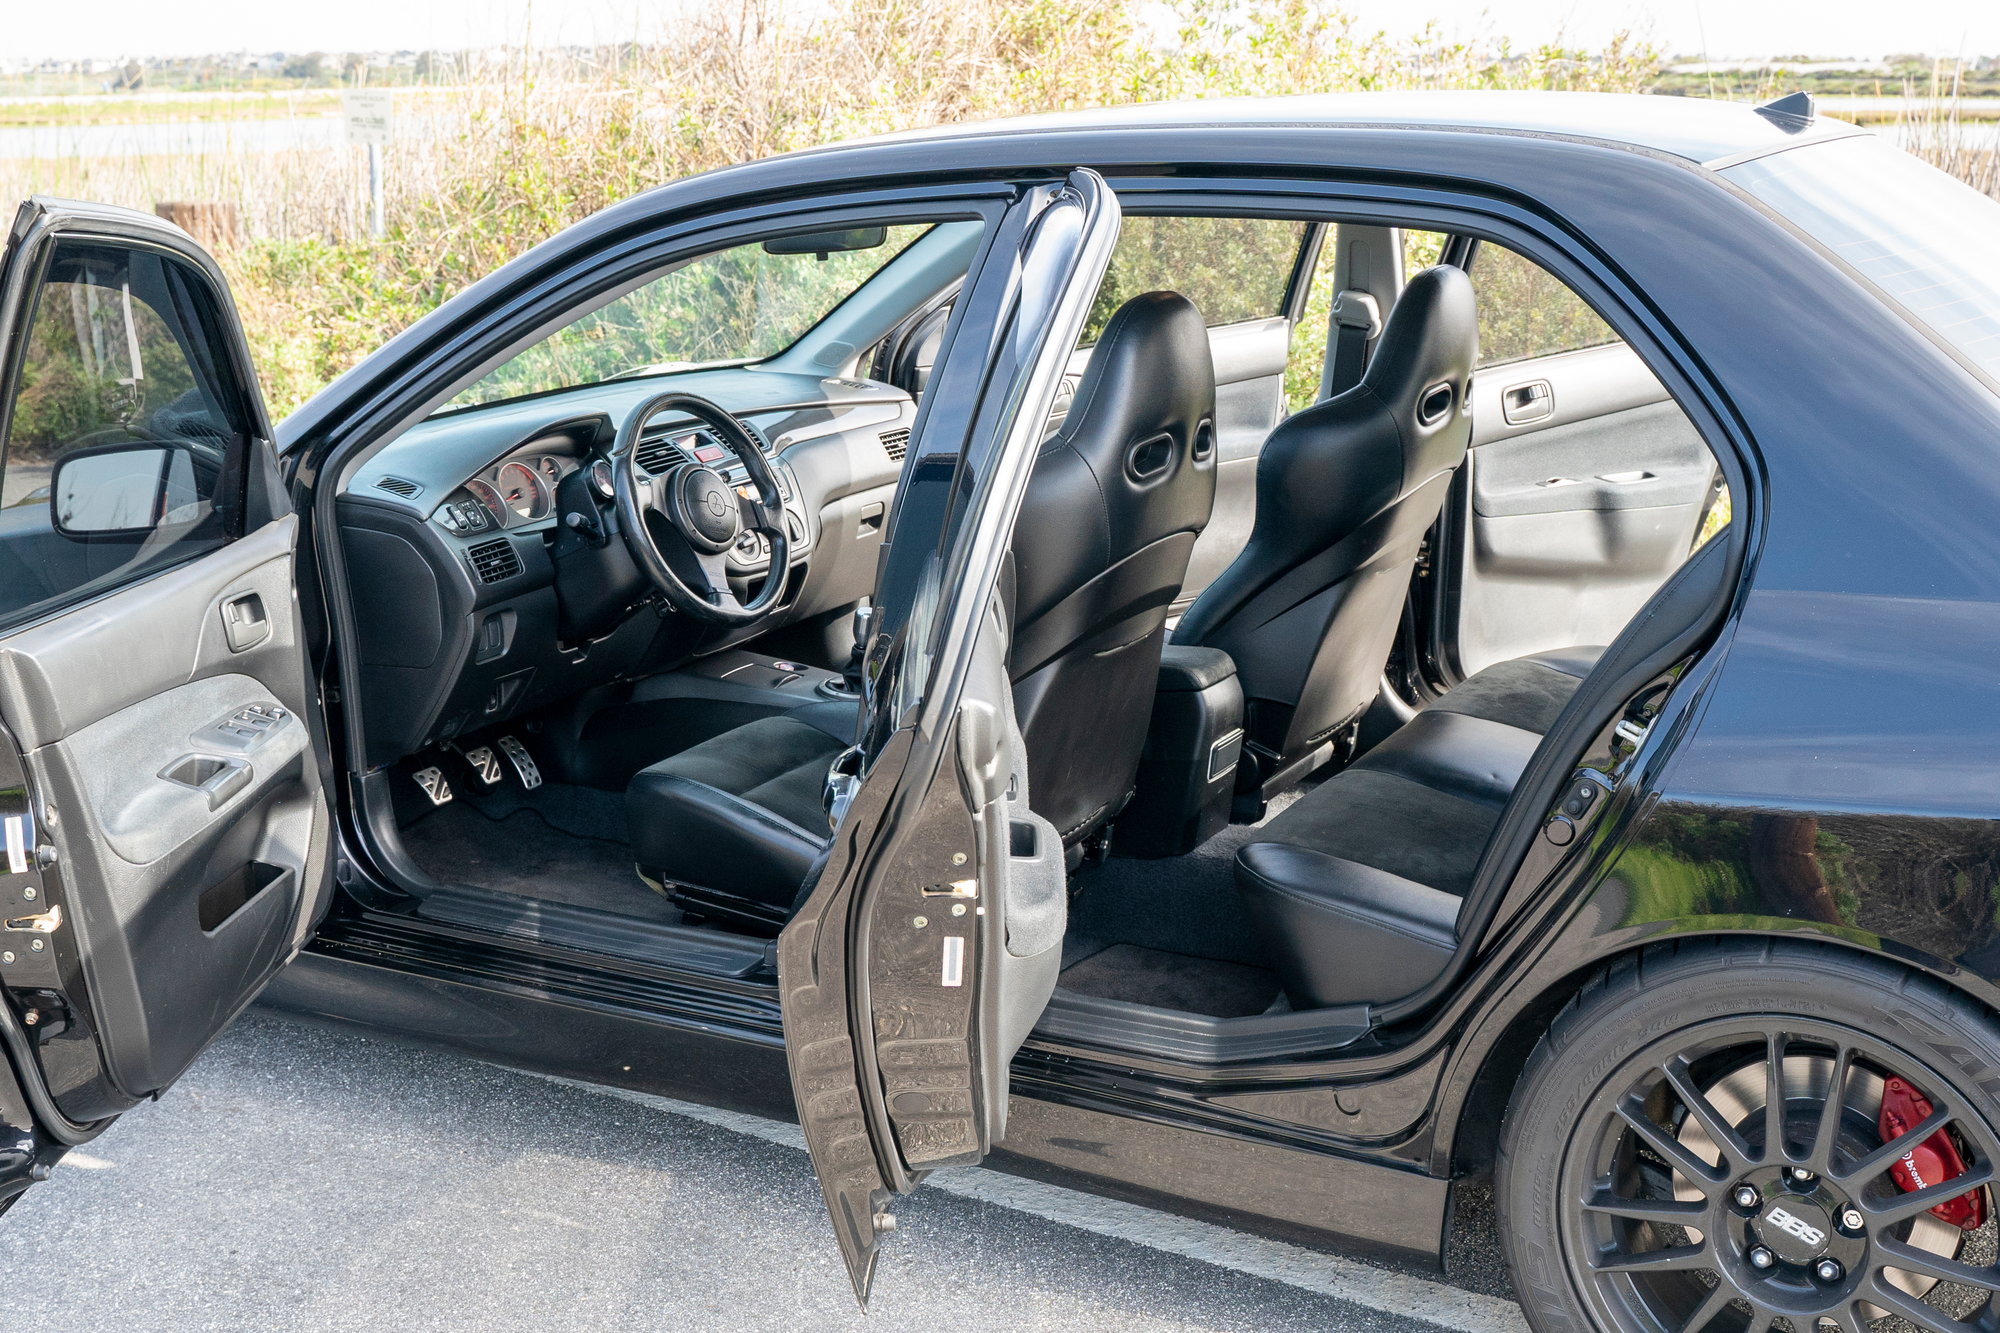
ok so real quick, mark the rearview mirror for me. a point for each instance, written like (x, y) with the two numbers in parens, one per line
(824, 243)
(121, 490)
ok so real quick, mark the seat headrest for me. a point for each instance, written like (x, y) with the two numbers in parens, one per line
(1151, 371)
(1432, 335)
(1422, 367)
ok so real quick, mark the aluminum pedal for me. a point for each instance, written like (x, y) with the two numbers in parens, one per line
(432, 782)
(523, 762)
(485, 764)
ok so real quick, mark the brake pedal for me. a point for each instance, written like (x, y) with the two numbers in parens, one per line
(484, 763)
(523, 762)
(432, 782)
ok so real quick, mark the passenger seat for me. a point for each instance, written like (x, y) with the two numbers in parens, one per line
(1356, 887)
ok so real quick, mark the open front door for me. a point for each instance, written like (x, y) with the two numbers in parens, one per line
(933, 937)
(164, 822)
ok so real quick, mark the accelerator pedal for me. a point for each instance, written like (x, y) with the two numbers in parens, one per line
(524, 764)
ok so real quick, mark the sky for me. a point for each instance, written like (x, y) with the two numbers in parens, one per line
(1720, 29)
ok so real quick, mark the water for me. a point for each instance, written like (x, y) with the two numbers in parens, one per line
(277, 134)
(171, 138)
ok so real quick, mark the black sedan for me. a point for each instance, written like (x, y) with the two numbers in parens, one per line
(1271, 658)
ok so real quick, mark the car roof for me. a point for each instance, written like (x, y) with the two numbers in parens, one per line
(1696, 129)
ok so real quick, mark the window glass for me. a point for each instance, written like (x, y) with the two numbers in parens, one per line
(1525, 311)
(1233, 269)
(122, 450)
(734, 306)
(1921, 236)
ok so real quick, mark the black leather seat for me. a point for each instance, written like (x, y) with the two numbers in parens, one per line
(731, 827)
(741, 810)
(1356, 887)
(1346, 491)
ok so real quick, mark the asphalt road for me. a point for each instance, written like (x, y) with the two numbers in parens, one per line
(305, 1179)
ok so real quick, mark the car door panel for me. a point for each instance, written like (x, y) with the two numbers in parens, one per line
(1575, 512)
(184, 897)
(930, 940)
(167, 823)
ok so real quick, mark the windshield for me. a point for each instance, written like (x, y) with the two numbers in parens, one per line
(1930, 242)
(727, 308)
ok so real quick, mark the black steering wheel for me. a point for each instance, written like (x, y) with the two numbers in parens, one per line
(682, 524)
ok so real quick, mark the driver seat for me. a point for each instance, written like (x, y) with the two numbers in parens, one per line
(731, 828)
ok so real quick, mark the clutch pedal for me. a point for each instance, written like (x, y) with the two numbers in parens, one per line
(432, 782)
(523, 762)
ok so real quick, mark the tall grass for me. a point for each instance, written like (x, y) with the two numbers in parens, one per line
(1938, 130)
(484, 170)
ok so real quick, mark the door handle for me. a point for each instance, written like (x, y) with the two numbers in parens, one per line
(1523, 403)
(244, 622)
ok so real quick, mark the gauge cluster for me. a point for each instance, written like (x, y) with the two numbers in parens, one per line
(515, 492)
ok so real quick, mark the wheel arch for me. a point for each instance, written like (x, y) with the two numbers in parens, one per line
(1497, 1051)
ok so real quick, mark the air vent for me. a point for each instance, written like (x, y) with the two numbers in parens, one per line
(399, 486)
(657, 453)
(896, 443)
(495, 561)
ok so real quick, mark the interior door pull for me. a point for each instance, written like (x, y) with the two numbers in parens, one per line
(1523, 403)
(244, 623)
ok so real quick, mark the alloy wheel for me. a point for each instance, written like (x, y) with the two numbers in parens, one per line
(1732, 1179)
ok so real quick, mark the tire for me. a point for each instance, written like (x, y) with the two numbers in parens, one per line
(1637, 1192)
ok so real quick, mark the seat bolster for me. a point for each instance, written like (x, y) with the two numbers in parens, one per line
(838, 718)
(1467, 756)
(1579, 661)
(706, 837)
(1341, 932)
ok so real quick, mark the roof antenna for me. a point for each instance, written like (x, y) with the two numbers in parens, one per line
(1791, 113)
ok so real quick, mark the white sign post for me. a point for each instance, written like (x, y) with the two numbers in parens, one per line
(371, 120)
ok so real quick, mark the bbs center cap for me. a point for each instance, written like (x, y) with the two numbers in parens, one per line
(1795, 1229)
(707, 508)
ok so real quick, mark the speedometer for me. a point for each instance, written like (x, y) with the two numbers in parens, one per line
(522, 491)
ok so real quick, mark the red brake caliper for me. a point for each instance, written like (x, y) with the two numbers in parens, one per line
(1931, 1162)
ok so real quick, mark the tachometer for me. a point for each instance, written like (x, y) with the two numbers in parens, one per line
(523, 491)
(489, 500)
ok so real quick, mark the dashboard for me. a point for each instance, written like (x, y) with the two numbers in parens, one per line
(519, 490)
(482, 595)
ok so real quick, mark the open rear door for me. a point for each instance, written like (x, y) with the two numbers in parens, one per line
(933, 937)
(164, 818)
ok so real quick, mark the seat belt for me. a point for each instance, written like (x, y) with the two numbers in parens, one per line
(1352, 329)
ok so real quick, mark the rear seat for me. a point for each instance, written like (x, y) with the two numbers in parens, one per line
(1356, 887)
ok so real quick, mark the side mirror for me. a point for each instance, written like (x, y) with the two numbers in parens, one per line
(120, 490)
(824, 243)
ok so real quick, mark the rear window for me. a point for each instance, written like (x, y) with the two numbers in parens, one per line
(1233, 269)
(1929, 242)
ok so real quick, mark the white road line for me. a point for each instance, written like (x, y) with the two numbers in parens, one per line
(1324, 1274)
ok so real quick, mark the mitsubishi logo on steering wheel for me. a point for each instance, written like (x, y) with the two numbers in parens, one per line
(717, 503)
